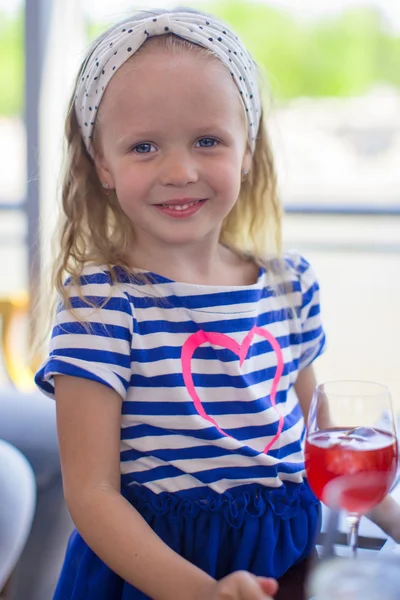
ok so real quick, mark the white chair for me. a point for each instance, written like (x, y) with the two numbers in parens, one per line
(17, 507)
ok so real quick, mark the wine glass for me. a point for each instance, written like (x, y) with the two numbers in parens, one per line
(351, 453)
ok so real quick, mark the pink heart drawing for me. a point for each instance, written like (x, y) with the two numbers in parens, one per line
(224, 341)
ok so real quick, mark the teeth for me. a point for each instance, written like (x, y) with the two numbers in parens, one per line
(181, 206)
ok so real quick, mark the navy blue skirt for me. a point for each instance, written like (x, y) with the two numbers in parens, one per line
(262, 530)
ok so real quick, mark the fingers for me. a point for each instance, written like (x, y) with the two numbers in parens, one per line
(268, 585)
(242, 585)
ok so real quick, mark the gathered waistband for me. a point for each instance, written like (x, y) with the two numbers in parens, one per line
(234, 504)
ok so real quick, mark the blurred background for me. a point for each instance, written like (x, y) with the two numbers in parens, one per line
(332, 72)
(334, 118)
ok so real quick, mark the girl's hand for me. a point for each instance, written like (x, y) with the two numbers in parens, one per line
(242, 585)
(387, 516)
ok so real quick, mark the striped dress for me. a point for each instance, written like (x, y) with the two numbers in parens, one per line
(211, 429)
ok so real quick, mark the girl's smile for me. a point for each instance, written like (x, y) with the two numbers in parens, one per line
(181, 208)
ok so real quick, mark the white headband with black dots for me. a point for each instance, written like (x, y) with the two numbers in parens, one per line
(121, 42)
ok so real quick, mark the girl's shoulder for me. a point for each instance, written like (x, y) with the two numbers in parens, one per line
(291, 268)
(98, 279)
(90, 273)
(96, 287)
(298, 266)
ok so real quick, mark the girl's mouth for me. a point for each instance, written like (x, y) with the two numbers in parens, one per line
(182, 208)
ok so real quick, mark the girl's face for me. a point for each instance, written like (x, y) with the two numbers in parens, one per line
(172, 141)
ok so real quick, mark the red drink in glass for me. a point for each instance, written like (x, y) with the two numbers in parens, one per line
(364, 457)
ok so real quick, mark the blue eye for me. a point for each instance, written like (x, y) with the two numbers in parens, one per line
(207, 142)
(144, 148)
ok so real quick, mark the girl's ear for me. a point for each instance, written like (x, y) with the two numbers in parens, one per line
(247, 161)
(103, 171)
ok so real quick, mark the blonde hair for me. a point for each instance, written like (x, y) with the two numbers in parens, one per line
(93, 228)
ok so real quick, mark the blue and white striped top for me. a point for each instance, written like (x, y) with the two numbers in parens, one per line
(205, 374)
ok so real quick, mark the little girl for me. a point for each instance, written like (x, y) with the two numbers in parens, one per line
(179, 339)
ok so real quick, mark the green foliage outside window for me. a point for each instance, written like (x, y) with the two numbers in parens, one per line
(11, 65)
(341, 56)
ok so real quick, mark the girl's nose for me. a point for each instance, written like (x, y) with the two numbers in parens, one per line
(179, 170)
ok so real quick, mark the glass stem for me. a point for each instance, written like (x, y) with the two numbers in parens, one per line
(353, 521)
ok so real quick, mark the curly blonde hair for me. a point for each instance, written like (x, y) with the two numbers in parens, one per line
(93, 228)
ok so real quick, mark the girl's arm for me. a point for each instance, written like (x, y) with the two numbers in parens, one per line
(304, 387)
(88, 422)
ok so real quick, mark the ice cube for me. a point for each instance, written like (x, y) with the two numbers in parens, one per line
(344, 461)
(357, 436)
(362, 432)
(322, 439)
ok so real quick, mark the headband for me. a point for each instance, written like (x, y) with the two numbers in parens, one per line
(121, 42)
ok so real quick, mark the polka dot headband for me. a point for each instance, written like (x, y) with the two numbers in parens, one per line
(121, 42)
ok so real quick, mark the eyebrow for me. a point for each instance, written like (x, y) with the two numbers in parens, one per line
(197, 128)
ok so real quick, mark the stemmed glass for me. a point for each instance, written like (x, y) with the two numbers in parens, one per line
(351, 453)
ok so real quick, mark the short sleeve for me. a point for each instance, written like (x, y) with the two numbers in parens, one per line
(92, 342)
(313, 340)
